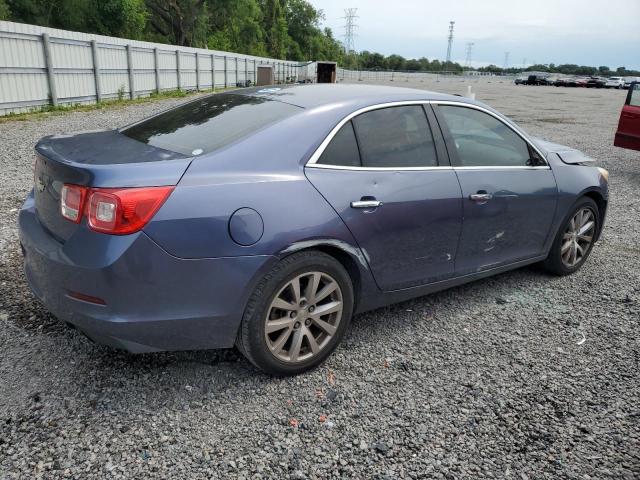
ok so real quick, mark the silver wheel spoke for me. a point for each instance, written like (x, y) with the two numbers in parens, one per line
(278, 324)
(585, 238)
(312, 287)
(326, 290)
(295, 287)
(585, 228)
(327, 327)
(296, 345)
(282, 339)
(566, 246)
(327, 308)
(283, 304)
(313, 344)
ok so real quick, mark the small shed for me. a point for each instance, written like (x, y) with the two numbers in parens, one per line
(319, 72)
(265, 75)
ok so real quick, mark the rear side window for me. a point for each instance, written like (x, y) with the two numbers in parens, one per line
(343, 149)
(210, 123)
(482, 140)
(395, 137)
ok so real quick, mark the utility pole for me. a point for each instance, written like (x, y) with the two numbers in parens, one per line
(469, 50)
(506, 60)
(450, 43)
(350, 29)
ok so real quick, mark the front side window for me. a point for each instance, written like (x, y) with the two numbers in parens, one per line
(482, 140)
(395, 137)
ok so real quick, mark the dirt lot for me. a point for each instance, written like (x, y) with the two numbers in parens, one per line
(492, 379)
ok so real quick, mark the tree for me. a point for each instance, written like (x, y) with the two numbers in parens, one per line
(5, 13)
(181, 22)
(275, 28)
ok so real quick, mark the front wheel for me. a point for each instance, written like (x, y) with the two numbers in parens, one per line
(574, 241)
(297, 315)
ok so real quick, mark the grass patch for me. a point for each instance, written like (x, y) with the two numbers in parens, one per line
(49, 110)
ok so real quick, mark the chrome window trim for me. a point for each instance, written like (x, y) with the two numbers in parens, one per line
(312, 162)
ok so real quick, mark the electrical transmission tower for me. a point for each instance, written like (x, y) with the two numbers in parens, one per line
(467, 60)
(451, 24)
(350, 29)
(506, 60)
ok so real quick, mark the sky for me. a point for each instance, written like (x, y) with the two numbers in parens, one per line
(586, 32)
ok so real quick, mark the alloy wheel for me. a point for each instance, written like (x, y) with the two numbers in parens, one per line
(303, 317)
(578, 237)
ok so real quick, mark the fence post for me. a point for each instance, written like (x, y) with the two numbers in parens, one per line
(178, 75)
(96, 70)
(48, 61)
(132, 88)
(197, 71)
(213, 72)
(226, 82)
(156, 61)
(236, 71)
(246, 73)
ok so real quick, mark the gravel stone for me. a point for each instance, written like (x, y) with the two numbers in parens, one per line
(486, 380)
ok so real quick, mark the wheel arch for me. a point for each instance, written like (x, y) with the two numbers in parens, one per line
(350, 257)
(601, 202)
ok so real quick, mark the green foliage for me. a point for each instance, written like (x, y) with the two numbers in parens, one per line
(5, 13)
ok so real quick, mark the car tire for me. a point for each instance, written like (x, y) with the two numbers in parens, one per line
(262, 346)
(560, 260)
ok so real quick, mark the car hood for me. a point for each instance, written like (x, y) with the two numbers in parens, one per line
(567, 154)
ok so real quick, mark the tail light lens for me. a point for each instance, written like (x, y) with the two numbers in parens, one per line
(119, 211)
(71, 202)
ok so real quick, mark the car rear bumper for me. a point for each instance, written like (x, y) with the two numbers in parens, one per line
(153, 301)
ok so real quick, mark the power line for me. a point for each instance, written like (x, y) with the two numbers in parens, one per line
(469, 50)
(350, 29)
(450, 43)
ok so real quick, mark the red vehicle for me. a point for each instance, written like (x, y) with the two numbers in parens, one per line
(628, 133)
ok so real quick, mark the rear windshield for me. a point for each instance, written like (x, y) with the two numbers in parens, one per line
(210, 123)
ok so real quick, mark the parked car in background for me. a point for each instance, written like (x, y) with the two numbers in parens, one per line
(628, 132)
(596, 82)
(267, 217)
(614, 82)
(521, 80)
(629, 80)
(562, 81)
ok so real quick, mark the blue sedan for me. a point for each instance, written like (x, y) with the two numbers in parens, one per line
(266, 218)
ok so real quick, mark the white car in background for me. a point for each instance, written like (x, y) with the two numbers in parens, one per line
(629, 80)
(614, 82)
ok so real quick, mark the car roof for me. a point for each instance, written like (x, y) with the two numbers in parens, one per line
(360, 95)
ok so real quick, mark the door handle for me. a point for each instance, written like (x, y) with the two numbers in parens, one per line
(480, 197)
(366, 204)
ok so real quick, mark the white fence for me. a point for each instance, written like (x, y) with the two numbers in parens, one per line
(39, 66)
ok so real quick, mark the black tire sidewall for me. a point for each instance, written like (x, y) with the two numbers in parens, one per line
(251, 335)
(554, 261)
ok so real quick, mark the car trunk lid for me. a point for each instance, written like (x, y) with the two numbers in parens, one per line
(105, 159)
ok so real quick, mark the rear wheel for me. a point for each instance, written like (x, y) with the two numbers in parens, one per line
(574, 241)
(297, 315)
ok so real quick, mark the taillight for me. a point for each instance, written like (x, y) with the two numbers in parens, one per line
(120, 211)
(71, 202)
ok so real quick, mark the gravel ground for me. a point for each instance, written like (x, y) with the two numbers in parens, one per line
(519, 376)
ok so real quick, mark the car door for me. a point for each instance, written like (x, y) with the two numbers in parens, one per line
(509, 192)
(628, 133)
(381, 171)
